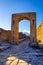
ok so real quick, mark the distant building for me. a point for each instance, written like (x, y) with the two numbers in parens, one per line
(40, 33)
(5, 35)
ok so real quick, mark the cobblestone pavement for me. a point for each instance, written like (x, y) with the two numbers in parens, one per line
(21, 55)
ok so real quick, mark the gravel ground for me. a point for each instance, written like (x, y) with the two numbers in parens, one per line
(21, 54)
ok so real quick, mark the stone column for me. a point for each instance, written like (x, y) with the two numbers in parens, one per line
(13, 29)
(16, 33)
(33, 30)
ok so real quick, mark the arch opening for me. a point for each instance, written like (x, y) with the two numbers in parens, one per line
(24, 29)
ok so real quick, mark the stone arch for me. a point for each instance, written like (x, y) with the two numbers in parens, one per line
(22, 18)
(16, 18)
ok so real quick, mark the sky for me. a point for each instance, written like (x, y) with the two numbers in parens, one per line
(9, 7)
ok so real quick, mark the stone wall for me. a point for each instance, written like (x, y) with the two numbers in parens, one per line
(8, 35)
(5, 35)
(21, 35)
(40, 33)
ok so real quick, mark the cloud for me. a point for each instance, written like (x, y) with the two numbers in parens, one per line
(26, 31)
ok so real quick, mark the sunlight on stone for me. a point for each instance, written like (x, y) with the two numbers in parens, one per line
(15, 61)
(11, 58)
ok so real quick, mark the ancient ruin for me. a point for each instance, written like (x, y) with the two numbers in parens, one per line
(13, 34)
(40, 33)
(16, 18)
(26, 53)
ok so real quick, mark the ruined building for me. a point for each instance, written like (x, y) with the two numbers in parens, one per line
(16, 18)
(40, 33)
(13, 34)
(5, 35)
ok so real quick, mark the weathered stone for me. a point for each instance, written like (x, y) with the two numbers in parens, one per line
(4, 46)
(8, 62)
(16, 18)
(11, 58)
(14, 62)
(12, 35)
(39, 31)
(34, 44)
(22, 62)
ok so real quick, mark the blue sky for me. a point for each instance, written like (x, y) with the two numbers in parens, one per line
(8, 7)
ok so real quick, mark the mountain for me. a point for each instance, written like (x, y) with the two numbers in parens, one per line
(26, 33)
